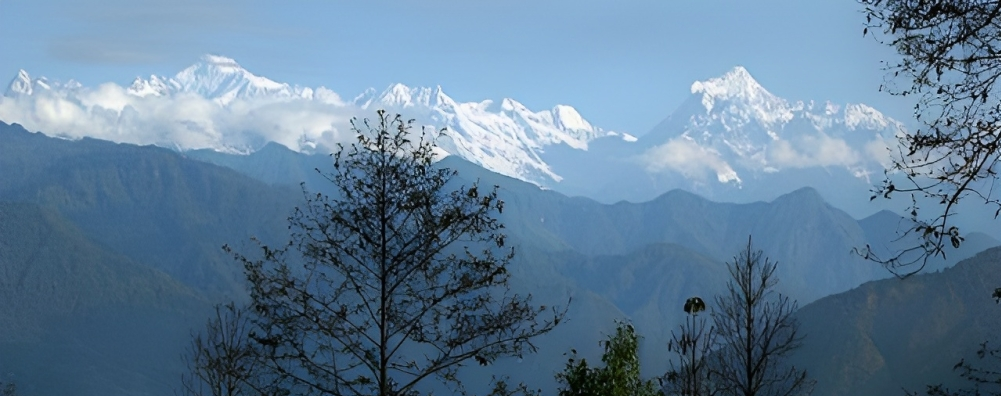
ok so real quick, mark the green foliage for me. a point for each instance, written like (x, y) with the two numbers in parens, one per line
(501, 388)
(79, 318)
(50, 269)
(150, 204)
(619, 377)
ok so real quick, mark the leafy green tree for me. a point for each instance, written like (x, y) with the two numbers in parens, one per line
(756, 332)
(619, 377)
(398, 278)
(500, 387)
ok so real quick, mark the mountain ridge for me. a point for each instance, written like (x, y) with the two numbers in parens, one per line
(171, 211)
(505, 137)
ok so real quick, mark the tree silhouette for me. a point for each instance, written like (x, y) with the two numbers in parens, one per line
(692, 346)
(223, 360)
(397, 278)
(756, 332)
(951, 61)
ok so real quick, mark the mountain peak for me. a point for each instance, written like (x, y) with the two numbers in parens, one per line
(802, 195)
(401, 95)
(19, 85)
(568, 118)
(736, 84)
(213, 64)
(155, 86)
(224, 80)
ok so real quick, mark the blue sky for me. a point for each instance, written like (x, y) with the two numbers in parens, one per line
(625, 65)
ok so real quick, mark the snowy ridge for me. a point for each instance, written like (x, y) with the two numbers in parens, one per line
(223, 80)
(24, 85)
(740, 129)
(730, 131)
(740, 94)
(510, 140)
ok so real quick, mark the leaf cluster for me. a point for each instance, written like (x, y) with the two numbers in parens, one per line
(620, 375)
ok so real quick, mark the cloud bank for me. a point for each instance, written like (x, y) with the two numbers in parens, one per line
(683, 155)
(182, 121)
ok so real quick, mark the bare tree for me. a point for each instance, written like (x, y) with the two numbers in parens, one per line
(692, 346)
(397, 278)
(951, 61)
(223, 360)
(756, 332)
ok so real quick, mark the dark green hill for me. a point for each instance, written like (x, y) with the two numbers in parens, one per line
(50, 268)
(154, 209)
(896, 333)
(78, 319)
(150, 204)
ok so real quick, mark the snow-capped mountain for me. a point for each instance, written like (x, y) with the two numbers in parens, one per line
(728, 136)
(740, 130)
(507, 139)
(24, 85)
(223, 80)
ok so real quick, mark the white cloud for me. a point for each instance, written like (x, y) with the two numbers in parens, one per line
(188, 121)
(822, 150)
(684, 156)
(879, 150)
(812, 150)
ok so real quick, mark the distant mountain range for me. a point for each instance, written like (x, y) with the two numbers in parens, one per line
(730, 140)
(146, 225)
